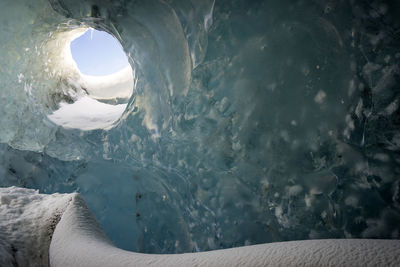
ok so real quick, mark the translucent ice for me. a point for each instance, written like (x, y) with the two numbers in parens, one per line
(247, 122)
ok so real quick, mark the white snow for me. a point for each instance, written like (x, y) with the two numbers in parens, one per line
(79, 241)
(116, 85)
(28, 220)
(87, 114)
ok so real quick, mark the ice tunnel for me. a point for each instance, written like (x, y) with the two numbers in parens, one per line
(235, 123)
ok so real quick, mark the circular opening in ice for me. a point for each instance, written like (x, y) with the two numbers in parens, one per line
(104, 77)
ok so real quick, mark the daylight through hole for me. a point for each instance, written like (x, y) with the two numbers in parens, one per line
(105, 80)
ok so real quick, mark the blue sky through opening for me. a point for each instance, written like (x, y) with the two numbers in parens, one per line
(98, 53)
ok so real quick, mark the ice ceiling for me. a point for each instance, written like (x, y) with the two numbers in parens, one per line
(248, 121)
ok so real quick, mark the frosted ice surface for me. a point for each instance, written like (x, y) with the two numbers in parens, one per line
(248, 121)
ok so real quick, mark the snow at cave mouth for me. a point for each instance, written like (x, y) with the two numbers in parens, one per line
(106, 78)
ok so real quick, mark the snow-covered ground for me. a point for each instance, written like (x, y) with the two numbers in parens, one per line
(116, 85)
(28, 220)
(87, 114)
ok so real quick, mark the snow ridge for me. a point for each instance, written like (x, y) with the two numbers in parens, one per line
(60, 230)
(27, 223)
(79, 241)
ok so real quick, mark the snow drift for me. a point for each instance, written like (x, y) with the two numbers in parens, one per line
(29, 219)
(27, 222)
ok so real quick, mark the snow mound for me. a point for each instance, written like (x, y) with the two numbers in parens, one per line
(27, 222)
(116, 85)
(87, 114)
(78, 240)
(28, 238)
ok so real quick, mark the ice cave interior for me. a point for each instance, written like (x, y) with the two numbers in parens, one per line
(230, 122)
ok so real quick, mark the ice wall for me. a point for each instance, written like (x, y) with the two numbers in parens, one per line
(251, 121)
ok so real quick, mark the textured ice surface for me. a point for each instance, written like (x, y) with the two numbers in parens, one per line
(250, 122)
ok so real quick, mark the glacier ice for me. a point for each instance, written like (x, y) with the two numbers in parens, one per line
(249, 122)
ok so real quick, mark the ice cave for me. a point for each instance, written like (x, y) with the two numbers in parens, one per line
(235, 133)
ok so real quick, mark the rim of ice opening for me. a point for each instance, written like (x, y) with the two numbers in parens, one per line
(101, 100)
